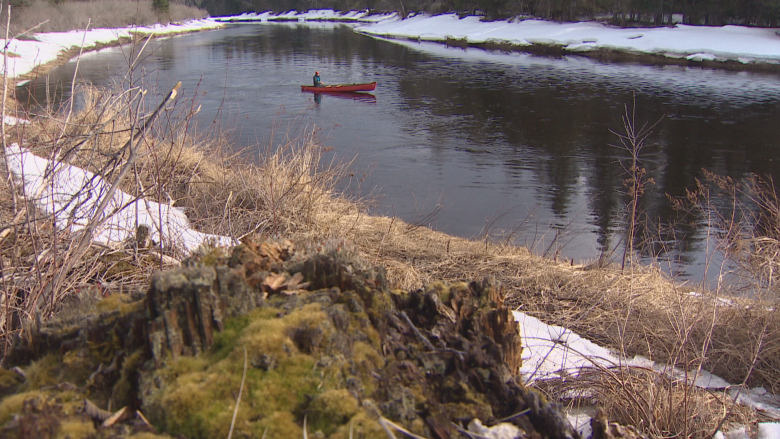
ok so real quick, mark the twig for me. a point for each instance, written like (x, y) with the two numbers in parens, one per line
(73, 86)
(744, 382)
(470, 434)
(383, 421)
(143, 418)
(379, 252)
(86, 236)
(6, 170)
(524, 412)
(387, 429)
(425, 341)
(30, 29)
(238, 400)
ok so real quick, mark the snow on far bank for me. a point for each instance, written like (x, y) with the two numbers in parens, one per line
(314, 14)
(551, 351)
(697, 43)
(25, 56)
(73, 196)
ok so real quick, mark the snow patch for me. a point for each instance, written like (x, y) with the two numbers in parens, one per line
(73, 195)
(551, 351)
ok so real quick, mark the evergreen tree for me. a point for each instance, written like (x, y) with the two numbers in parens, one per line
(162, 7)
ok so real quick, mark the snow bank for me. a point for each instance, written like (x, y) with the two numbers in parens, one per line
(72, 195)
(26, 56)
(742, 44)
(314, 14)
(551, 351)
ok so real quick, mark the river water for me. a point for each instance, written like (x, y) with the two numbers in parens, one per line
(468, 141)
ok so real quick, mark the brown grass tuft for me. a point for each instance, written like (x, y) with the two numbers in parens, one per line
(660, 405)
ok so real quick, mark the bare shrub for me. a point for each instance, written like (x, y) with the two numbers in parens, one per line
(73, 15)
(660, 404)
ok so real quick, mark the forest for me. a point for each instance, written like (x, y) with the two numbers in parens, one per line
(761, 13)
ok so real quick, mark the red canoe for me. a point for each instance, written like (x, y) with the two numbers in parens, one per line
(340, 88)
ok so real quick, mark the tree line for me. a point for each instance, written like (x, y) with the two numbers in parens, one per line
(763, 13)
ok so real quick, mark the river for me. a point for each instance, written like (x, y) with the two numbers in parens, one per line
(466, 140)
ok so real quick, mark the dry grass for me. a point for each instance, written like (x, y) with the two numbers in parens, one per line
(656, 403)
(223, 191)
(287, 193)
(639, 311)
(72, 15)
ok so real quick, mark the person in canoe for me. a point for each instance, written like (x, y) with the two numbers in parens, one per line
(317, 80)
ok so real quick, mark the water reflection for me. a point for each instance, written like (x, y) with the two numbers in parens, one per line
(513, 141)
(351, 95)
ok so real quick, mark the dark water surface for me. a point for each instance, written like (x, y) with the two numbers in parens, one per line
(505, 142)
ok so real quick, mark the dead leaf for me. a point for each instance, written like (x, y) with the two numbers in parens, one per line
(95, 412)
(273, 282)
(113, 419)
(294, 283)
(271, 250)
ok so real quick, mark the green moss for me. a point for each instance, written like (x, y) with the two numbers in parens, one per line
(147, 435)
(79, 428)
(225, 341)
(118, 302)
(441, 289)
(330, 410)
(367, 358)
(362, 426)
(9, 381)
(122, 393)
(45, 372)
(12, 405)
(280, 425)
(213, 256)
(468, 411)
(198, 395)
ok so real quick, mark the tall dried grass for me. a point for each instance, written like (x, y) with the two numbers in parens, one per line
(73, 15)
(287, 192)
(639, 311)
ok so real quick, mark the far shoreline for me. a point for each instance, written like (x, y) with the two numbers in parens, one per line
(551, 50)
(72, 53)
(624, 57)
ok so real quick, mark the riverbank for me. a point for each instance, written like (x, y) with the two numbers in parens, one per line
(730, 47)
(30, 58)
(634, 311)
(723, 47)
